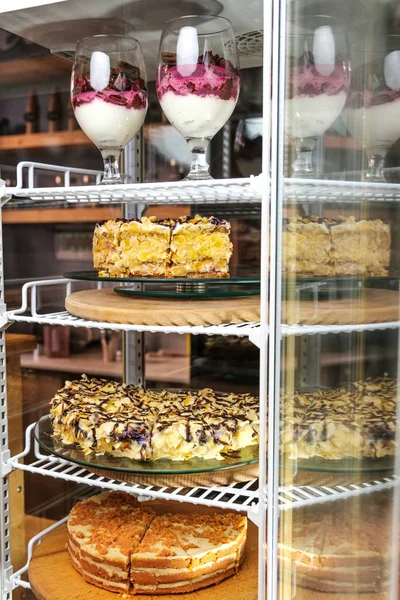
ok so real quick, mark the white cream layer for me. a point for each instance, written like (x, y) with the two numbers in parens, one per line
(109, 125)
(311, 116)
(375, 127)
(118, 584)
(179, 584)
(200, 567)
(194, 116)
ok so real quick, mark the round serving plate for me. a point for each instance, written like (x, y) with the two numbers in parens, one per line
(238, 467)
(318, 471)
(191, 291)
(92, 275)
(177, 287)
(107, 306)
(332, 288)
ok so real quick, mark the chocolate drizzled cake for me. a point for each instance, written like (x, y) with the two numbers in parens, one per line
(103, 416)
(356, 421)
(147, 247)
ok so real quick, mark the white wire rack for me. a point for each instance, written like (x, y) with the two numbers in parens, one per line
(322, 190)
(224, 191)
(28, 313)
(16, 579)
(239, 496)
(187, 192)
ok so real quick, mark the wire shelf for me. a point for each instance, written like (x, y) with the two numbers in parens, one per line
(242, 496)
(215, 191)
(224, 191)
(28, 313)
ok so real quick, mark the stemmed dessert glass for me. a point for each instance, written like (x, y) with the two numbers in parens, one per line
(109, 95)
(317, 84)
(198, 81)
(372, 114)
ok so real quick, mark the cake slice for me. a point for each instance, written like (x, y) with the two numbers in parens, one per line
(145, 247)
(200, 247)
(106, 248)
(306, 246)
(360, 247)
(180, 552)
(132, 247)
(102, 416)
(102, 534)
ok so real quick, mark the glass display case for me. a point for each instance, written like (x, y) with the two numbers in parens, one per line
(293, 361)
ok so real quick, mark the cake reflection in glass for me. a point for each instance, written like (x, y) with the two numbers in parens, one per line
(317, 85)
(198, 81)
(109, 95)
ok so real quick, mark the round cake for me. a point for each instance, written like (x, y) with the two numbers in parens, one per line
(340, 547)
(117, 544)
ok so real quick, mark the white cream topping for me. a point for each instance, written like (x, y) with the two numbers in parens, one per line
(375, 127)
(109, 125)
(311, 116)
(196, 117)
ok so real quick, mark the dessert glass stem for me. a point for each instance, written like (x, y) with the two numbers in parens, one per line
(375, 168)
(111, 167)
(302, 166)
(199, 165)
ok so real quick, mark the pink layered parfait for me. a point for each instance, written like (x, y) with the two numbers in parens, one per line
(316, 95)
(198, 99)
(111, 117)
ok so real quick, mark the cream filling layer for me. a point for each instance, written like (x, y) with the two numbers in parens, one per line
(101, 580)
(200, 567)
(179, 584)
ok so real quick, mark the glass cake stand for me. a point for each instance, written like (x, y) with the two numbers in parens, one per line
(44, 436)
(161, 287)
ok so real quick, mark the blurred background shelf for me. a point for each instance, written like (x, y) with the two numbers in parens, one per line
(85, 214)
(44, 140)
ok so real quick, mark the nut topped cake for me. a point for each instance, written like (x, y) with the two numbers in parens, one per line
(332, 550)
(102, 416)
(200, 247)
(356, 421)
(121, 545)
(147, 247)
(325, 247)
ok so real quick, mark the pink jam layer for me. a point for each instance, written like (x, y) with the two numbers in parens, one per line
(210, 80)
(368, 98)
(130, 99)
(308, 81)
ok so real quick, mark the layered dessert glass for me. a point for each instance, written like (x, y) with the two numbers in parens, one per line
(317, 84)
(372, 113)
(109, 95)
(198, 81)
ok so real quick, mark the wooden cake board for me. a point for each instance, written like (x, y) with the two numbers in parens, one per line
(53, 578)
(372, 306)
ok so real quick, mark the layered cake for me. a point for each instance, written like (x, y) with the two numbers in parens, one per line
(346, 547)
(357, 421)
(147, 247)
(197, 99)
(102, 416)
(117, 545)
(316, 95)
(112, 116)
(326, 247)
